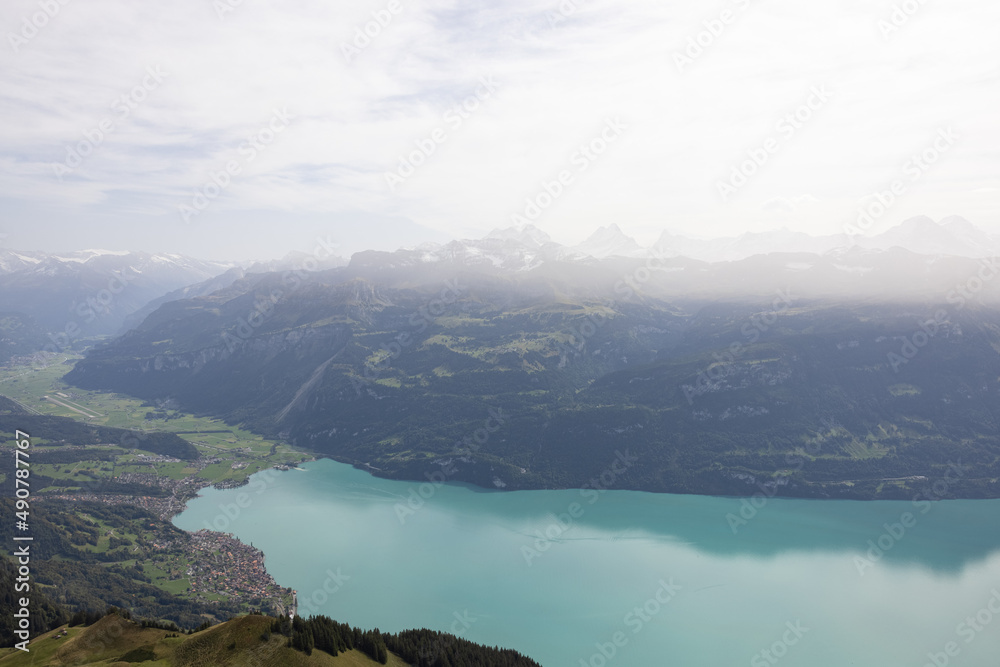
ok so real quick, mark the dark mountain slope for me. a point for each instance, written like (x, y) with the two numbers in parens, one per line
(543, 377)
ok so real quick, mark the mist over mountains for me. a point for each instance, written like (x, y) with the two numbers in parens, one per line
(91, 291)
(54, 301)
(953, 236)
(715, 374)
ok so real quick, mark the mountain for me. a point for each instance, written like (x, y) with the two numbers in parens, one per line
(202, 288)
(88, 293)
(92, 293)
(20, 335)
(526, 247)
(976, 239)
(608, 242)
(292, 263)
(502, 250)
(952, 236)
(526, 235)
(714, 375)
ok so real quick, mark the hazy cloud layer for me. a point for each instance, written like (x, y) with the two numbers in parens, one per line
(170, 95)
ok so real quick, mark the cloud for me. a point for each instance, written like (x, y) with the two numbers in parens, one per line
(559, 75)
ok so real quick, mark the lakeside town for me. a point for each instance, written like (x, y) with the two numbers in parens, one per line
(212, 566)
(218, 564)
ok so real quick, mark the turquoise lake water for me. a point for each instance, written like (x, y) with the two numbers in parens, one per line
(575, 578)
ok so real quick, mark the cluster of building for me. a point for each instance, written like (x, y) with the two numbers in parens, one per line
(221, 564)
(163, 507)
(154, 458)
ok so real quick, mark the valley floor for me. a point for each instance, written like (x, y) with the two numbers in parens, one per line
(213, 565)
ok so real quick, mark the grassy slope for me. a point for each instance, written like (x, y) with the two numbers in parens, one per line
(30, 383)
(112, 637)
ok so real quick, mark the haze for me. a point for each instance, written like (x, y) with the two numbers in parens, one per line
(314, 118)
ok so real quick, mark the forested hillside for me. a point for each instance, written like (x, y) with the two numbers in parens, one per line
(544, 378)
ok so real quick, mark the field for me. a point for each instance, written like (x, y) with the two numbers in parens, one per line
(230, 454)
(142, 549)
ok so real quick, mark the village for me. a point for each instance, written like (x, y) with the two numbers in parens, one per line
(223, 565)
(209, 567)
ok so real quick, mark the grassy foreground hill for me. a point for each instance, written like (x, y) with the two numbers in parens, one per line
(246, 641)
(116, 641)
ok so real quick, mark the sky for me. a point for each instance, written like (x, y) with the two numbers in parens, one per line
(236, 129)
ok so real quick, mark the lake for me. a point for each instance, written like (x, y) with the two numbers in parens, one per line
(575, 578)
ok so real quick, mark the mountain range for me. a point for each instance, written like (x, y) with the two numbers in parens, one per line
(715, 373)
(954, 236)
(717, 376)
(54, 299)
(69, 296)
(526, 247)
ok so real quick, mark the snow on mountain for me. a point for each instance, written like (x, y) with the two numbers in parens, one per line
(83, 256)
(518, 248)
(11, 260)
(166, 265)
(90, 292)
(525, 247)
